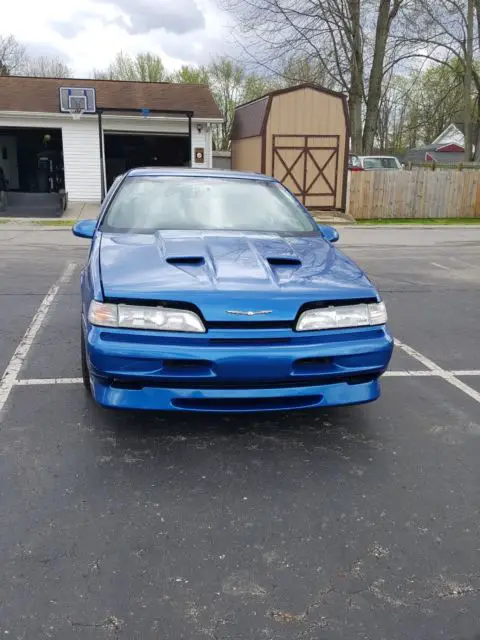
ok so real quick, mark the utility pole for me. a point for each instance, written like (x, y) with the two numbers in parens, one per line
(468, 84)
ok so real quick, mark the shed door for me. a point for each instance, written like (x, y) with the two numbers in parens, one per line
(308, 166)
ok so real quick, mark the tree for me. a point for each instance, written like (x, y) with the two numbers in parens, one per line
(355, 43)
(191, 75)
(144, 67)
(441, 28)
(12, 55)
(415, 109)
(46, 67)
(296, 70)
(231, 85)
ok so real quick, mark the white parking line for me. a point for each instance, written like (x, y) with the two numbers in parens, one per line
(42, 381)
(465, 264)
(472, 372)
(410, 374)
(448, 376)
(10, 376)
(440, 266)
(428, 373)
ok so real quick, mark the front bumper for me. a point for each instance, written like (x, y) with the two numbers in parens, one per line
(236, 371)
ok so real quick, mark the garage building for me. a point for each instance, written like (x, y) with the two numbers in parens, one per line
(300, 136)
(66, 140)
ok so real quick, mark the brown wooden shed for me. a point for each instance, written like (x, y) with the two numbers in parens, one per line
(299, 135)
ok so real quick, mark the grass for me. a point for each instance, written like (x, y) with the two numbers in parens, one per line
(54, 223)
(436, 221)
(41, 223)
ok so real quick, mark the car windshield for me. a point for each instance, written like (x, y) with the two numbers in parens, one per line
(380, 163)
(149, 203)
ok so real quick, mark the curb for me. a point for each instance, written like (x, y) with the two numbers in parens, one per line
(414, 226)
(29, 226)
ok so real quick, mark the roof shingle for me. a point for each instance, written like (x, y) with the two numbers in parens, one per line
(18, 93)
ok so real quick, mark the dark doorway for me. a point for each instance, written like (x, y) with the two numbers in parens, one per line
(32, 159)
(125, 151)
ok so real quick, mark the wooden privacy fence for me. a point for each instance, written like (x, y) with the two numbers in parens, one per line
(420, 193)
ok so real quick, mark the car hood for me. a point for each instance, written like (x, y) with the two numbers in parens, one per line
(219, 271)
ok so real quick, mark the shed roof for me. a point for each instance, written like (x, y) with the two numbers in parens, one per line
(18, 93)
(251, 118)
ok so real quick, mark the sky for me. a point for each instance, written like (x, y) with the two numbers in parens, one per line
(87, 34)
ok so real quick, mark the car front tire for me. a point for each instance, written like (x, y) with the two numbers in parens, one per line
(85, 371)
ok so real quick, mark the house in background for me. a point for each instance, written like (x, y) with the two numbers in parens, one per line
(68, 139)
(447, 148)
(450, 153)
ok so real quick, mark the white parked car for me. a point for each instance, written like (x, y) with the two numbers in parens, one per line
(374, 163)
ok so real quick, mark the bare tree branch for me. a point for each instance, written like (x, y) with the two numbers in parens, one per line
(12, 55)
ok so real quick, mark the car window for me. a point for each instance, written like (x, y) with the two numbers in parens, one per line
(149, 203)
(380, 163)
(354, 162)
(372, 163)
(389, 163)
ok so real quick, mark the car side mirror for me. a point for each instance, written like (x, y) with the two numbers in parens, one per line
(84, 229)
(328, 232)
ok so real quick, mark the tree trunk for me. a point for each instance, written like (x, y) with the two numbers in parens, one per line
(355, 109)
(477, 140)
(385, 17)
(468, 84)
(355, 95)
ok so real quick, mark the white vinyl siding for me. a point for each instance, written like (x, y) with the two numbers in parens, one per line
(81, 158)
(81, 154)
(81, 146)
(203, 140)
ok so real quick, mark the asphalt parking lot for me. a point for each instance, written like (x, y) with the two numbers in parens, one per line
(357, 522)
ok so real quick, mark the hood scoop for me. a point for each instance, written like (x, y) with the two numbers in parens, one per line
(186, 261)
(284, 262)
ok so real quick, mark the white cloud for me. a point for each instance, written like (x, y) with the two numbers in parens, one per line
(89, 33)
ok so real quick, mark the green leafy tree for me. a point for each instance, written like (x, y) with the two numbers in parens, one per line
(144, 67)
(417, 108)
(231, 85)
(191, 75)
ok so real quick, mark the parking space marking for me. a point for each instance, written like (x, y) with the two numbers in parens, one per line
(410, 374)
(465, 264)
(448, 376)
(466, 373)
(37, 381)
(428, 373)
(10, 376)
(440, 266)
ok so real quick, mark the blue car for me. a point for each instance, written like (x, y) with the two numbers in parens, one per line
(216, 291)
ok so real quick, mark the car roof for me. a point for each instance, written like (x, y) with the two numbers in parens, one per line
(389, 157)
(200, 173)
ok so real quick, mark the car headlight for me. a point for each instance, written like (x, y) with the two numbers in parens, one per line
(129, 316)
(355, 315)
